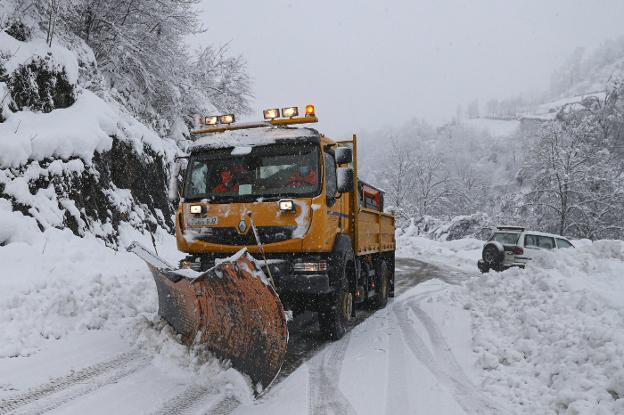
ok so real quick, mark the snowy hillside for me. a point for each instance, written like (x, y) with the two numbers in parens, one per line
(71, 155)
(94, 108)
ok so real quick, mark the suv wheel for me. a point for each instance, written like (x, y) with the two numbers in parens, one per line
(493, 255)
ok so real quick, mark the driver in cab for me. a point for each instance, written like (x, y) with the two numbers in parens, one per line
(227, 184)
(303, 176)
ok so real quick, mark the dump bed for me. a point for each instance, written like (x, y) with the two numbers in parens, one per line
(374, 230)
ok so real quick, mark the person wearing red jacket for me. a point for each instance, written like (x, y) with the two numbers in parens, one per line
(227, 184)
(303, 176)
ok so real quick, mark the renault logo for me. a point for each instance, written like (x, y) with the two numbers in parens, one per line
(242, 226)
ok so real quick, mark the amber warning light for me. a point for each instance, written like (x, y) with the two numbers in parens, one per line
(309, 111)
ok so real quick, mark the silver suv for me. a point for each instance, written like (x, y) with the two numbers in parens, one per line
(512, 246)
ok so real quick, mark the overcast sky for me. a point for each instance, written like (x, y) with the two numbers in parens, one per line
(365, 63)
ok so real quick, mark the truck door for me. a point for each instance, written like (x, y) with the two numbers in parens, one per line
(334, 211)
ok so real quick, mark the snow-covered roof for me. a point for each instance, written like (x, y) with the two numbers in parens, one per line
(253, 137)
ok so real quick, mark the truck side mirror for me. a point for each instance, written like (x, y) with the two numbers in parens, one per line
(344, 155)
(345, 179)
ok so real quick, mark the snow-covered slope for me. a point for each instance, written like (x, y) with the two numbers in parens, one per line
(71, 155)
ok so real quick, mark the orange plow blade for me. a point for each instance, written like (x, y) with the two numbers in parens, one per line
(231, 308)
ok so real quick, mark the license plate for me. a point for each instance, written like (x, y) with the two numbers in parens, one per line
(209, 221)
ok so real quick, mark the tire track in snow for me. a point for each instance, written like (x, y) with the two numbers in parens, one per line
(193, 397)
(397, 401)
(184, 400)
(443, 353)
(62, 390)
(225, 407)
(466, 395)
(325, 395)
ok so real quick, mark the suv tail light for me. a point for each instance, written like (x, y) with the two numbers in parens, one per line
(516, 250)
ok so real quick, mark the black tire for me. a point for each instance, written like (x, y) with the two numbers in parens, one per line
(335, 311)
(493, 256)
(382, 286)
(391, 265)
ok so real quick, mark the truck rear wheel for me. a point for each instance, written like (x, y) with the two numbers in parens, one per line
(383, 286)
(335, 311)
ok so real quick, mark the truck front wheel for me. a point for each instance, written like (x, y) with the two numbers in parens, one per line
(335, 311)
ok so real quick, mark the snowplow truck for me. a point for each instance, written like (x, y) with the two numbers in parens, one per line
(290, 198)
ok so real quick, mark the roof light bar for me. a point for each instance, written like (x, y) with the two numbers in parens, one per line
(272, 117)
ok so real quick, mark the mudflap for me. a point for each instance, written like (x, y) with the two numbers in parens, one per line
(231, 308)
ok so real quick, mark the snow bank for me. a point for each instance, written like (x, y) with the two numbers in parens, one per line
(461, 253)
(15, 227)
(59, 283)
(550, 338)
(547, 339)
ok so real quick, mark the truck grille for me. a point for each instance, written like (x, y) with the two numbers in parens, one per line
(229, 236)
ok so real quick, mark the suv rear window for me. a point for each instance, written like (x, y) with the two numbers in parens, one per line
(506, 238)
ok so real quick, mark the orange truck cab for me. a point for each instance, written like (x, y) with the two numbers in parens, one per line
(291, 197)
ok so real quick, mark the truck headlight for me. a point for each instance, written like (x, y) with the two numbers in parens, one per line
(196, 209)
(287, 205)
(310, 266)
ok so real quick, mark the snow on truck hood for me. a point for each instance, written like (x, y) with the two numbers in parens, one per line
(253, 137)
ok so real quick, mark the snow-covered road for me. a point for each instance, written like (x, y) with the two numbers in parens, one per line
(414, 357)
(105, 371)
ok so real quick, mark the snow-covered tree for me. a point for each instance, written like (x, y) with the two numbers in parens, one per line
(575, 179)
(398, 176)
(140, 47)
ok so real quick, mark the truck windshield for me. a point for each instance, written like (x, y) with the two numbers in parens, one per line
(252, 173)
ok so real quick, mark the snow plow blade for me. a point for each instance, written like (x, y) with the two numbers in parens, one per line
(231, 309)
